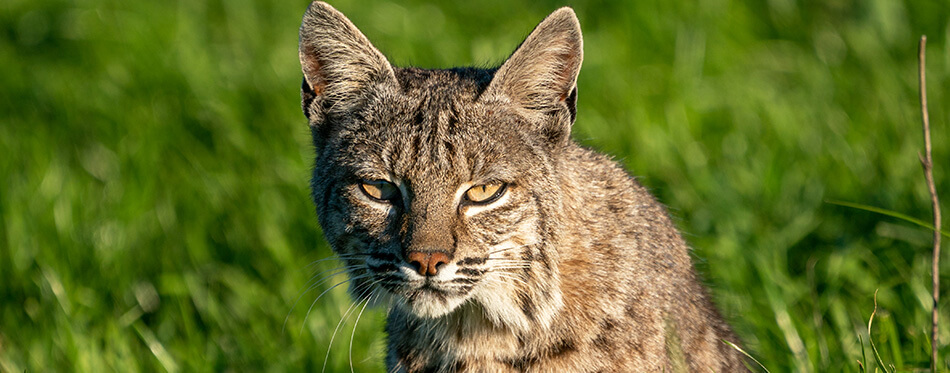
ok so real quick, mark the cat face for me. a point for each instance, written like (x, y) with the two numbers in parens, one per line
(438, 187)
(428, 173)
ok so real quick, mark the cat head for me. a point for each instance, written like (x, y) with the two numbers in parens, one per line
(439, 188)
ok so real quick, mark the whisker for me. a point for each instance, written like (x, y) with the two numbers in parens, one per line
(304, 292)
(510, 269)
(330, 345)
(326, 291)
(357, 323)
(502, 250)
(509, 275)
(317, 277)
(346, 315)
(490, 253)
(511, 261)
(512, 265)
(337, 257)
(504, 258)
(503, 262)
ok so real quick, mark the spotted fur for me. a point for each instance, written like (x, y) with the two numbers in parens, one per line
(575, 268)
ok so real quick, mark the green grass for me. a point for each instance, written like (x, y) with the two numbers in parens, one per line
(154, 211)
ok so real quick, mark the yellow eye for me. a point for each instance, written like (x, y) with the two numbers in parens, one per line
(483, 194)
(380, 190)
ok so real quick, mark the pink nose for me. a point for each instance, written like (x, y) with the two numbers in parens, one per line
(427, 263)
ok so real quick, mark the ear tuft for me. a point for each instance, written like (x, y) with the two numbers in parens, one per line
(541, 75)
(339, 63)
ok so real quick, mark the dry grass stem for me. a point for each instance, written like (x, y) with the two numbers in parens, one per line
(927, 161)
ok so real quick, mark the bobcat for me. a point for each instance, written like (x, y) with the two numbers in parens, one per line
(502, 245)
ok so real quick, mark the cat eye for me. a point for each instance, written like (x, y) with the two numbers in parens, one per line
(380, 190)
(485, 194)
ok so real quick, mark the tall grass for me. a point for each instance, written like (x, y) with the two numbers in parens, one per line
(154, 212)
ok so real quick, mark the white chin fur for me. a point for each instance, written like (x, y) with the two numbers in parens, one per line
(429, 305)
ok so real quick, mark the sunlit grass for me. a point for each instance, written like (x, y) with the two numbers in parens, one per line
(154, 212)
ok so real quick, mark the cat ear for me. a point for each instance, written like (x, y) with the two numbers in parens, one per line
(339, 63)
(541, 75)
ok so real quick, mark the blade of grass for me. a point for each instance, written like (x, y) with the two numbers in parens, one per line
(893, 341)
(877, 356)
(863, 363)
(746, 354)
(893, 214)
(926, 160)
(156, 347)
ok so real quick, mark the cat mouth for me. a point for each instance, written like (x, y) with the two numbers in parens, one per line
(426, 296)
(428, 288)
(431, 299)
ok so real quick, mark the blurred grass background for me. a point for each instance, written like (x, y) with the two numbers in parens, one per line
(154, 211)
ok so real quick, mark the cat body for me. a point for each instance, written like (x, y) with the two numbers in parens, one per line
(502, 245)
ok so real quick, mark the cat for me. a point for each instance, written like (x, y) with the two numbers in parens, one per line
(501, 244)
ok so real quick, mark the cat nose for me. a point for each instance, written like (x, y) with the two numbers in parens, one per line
(427, 263)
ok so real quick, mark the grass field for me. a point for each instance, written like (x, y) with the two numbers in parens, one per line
(154, 211)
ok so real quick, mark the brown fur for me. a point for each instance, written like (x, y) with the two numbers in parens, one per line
(574, 268)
